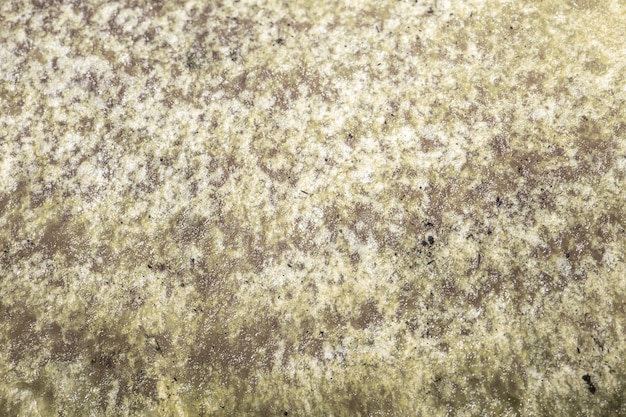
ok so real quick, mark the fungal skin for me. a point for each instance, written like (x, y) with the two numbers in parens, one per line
(312, 209)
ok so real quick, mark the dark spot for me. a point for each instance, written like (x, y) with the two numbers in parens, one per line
(431, 240)
(149, 266)
(590, 386)
(286, 413)
(280, 41)
(498, 201)
(430, 10)
(567, 255)
(194, 61)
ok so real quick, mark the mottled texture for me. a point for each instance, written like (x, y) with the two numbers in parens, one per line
(353, 208)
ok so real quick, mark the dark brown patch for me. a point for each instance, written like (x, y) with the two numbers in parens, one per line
(500, 145)
(442, 199)
(234, 353)
(190, 228)
(365, 222)
(285, 89)
(22, 334)
(38, 199)
(408, 299)
(534, 80)
(211, 275)
(332, 220)
(355, 258)
(436, 325)
(114, 360)
(66, 345)
(363, 403)
(580, 241)
(303, 236)
(596, 150)
(492, 284)
(332, 319)
(369, 315)
(12, 200)
(309, 341)
(62, 234)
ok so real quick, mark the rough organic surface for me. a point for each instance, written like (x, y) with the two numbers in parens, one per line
(298, 208)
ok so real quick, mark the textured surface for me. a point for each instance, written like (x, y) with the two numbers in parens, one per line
(312, 208)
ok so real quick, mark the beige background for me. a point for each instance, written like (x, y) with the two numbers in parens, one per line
(375, 208)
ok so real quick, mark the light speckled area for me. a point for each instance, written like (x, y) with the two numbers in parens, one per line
(263, 208)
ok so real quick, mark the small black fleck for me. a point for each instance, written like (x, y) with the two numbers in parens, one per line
(567, 255)
(149, 266)
(286, 413)
(431, 240)
(280, 41)
(590, 386)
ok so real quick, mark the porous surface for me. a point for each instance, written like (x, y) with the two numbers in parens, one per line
(332, 208)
